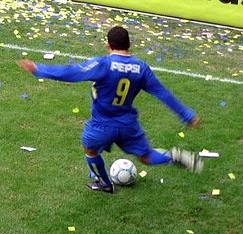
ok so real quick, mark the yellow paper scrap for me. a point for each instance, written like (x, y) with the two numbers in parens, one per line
(216, 192)
(231, 176)
(71, 229)
(16, 32)
(236, 36)
(143, 173)
(75, 110)
(181, 134)
(190, 231)
(118, 18)
(205, 151)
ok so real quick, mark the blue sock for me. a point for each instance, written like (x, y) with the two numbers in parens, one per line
(156, 157)
(97, 166)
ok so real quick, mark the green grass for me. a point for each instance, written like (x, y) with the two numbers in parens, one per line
(211, 11)
(44, 191)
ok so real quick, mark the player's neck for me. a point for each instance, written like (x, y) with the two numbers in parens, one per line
(120, 52)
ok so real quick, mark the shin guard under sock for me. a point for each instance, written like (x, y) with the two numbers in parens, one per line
(97, 166)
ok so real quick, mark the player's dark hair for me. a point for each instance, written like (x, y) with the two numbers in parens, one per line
(118, 38)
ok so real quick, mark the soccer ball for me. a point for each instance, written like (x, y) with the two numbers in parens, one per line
(123, 172)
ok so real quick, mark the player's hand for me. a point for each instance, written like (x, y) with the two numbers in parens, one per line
(195, 123)
(27, 65)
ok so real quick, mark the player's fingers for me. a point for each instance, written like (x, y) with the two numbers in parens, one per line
(27, 65)
(195, 123)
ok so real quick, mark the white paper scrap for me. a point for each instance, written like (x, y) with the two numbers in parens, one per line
(208, 154)
(30, 149)
(49, 56)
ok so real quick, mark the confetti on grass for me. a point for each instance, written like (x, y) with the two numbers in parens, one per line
(27, 148)
(24, 53)
(206, 153)
(204, 197)
(181, 134)
(216, 192)
(97, 21)
(231, 176)
(71, 229)
(223, 103)
(143, 173)
(75, 110)
(24, 96)
(49, 56)
(190, 231)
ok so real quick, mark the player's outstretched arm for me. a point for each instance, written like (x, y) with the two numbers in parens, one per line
(27, 65)
(90, 70)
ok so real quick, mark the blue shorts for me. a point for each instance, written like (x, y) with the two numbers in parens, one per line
(131, 140)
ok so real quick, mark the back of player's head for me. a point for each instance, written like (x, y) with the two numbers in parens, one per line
(118, 38)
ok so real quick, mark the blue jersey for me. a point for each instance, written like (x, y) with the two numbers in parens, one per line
(117, 80)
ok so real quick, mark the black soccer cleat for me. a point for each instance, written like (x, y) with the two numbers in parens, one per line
(97, 186)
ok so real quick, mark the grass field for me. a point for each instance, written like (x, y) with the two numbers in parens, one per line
(44, 191)
(210, 11)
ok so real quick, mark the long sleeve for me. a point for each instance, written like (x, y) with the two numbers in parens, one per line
(90, 70)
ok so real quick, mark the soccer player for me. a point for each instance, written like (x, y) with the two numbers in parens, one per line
(117, 79)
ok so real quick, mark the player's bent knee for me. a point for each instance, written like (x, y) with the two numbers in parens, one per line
(90, 152)
(144, 159)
